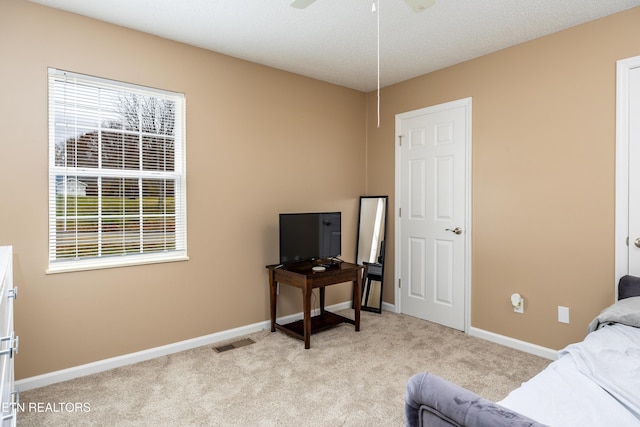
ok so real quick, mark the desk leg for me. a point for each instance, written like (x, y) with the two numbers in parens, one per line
(322, 289)
(272, 299)
(306, 297)
(357, 289)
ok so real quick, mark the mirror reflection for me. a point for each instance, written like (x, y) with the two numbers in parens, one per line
(370, 244)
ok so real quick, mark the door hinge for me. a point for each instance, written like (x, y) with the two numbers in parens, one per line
(399, 283)
(400, 212)
(627, 240)
(400, 140)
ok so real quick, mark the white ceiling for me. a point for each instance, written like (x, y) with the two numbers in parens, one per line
(336, 40)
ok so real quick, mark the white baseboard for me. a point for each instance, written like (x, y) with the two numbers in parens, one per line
(388, 307)
(140, 356)
(527, 347)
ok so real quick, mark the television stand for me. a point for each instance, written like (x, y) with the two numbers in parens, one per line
(302, 276)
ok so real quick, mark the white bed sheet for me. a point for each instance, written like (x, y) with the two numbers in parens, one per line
(593, 383)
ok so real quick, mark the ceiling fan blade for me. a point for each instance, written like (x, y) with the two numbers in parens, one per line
(420, 5)
(301, 4)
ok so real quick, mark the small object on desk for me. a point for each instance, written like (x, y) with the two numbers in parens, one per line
(318, 268)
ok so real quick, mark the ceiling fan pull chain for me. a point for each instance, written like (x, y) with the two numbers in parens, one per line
(373, 8)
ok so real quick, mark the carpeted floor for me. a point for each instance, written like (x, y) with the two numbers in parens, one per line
(345, 379)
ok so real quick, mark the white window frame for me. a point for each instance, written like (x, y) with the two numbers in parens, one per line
(172, 236)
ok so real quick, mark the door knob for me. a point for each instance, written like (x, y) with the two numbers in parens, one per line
(458, 230)
(637, 242)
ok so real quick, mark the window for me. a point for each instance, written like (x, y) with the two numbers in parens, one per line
(117, 193)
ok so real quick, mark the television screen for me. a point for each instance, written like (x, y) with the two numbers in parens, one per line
(309, 236)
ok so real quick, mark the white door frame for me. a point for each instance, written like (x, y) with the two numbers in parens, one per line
(623, 68)
(465, 102)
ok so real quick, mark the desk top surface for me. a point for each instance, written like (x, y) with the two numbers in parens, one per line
(306, 267)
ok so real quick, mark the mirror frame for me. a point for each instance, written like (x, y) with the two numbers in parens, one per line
(377, 268)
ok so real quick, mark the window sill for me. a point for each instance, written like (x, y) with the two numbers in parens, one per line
(113, 262)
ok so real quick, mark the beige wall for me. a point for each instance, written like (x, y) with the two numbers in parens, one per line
(542, 173)
(259, 142)
(543, 181)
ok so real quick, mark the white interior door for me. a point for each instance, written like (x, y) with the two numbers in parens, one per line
(634, 171)
(628, 168)
(433, 220)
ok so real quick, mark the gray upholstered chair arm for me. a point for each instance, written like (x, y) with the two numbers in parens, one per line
(433, 401)
(628, 286)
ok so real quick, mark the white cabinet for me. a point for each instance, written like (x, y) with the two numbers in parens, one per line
(8, 339)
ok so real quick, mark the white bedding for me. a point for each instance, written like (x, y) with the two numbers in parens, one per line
(593, 383)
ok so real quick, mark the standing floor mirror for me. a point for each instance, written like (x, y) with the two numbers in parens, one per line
(370, 245)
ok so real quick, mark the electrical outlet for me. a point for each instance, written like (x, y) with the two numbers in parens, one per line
(519, 308)
(518, 303)
(563, 314)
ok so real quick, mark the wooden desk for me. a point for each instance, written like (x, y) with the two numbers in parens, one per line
(301, 276)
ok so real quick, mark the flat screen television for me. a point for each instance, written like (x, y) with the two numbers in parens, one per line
(309, 236)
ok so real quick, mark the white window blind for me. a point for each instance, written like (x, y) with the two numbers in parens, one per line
(117, 184)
